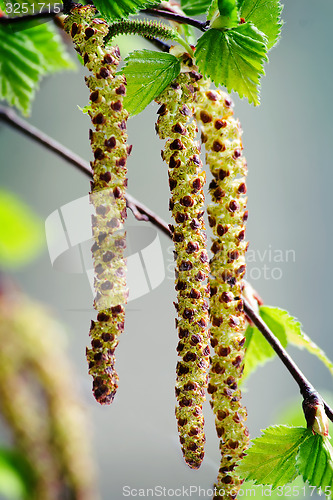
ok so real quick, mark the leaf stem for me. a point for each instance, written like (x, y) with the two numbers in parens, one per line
(10, 117)
(177, 18)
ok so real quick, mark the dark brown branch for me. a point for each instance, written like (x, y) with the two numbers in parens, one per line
(29, 17)
(138, 208)
(176, 17)
(306, 388)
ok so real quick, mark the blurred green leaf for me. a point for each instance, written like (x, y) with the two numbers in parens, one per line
(195, 8)
(280, 320)
(258, 351)
(147, 73)
(315, 463)
(21, 236)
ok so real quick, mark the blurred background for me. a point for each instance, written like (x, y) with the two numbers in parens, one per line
(287, 145)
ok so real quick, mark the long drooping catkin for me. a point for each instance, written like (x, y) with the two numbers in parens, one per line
(108, 142)
(38, 398)
(176, 124)
(227, 214)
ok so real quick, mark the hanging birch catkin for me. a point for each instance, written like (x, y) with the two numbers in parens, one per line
(176, 124)
(108, 142)
(227, 214)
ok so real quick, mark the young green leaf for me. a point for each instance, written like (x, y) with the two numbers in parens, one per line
(147, 73)
(278, 319)
(234, 58)
(50, 48)
(265, 15)
(197, 8)
(315, 463)
(119, 9)
(272, 457)
(21, 231)
(20, 68)
(258, 351)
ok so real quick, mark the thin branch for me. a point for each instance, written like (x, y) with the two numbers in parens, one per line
(8, 116)
(306, 388)
(47, 14)
(177, 18)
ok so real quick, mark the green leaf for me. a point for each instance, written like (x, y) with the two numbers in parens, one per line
(118, 9)
(16, 8)
(279, 318)
(21, 236)
(196, 8)
(315, 463)
(148, 73)
(213, 10)
(50, 48)
(272, 457)
(20, 69)
(16, 476)
(258, 351)
(234, 58)
(265, 15)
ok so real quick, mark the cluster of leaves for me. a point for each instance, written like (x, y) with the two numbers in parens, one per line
(232, 52)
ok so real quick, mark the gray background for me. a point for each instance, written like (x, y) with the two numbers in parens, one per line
(287, 143)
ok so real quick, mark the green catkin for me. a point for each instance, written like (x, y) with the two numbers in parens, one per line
(176, 124)
(108, 143)
(227, 214)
